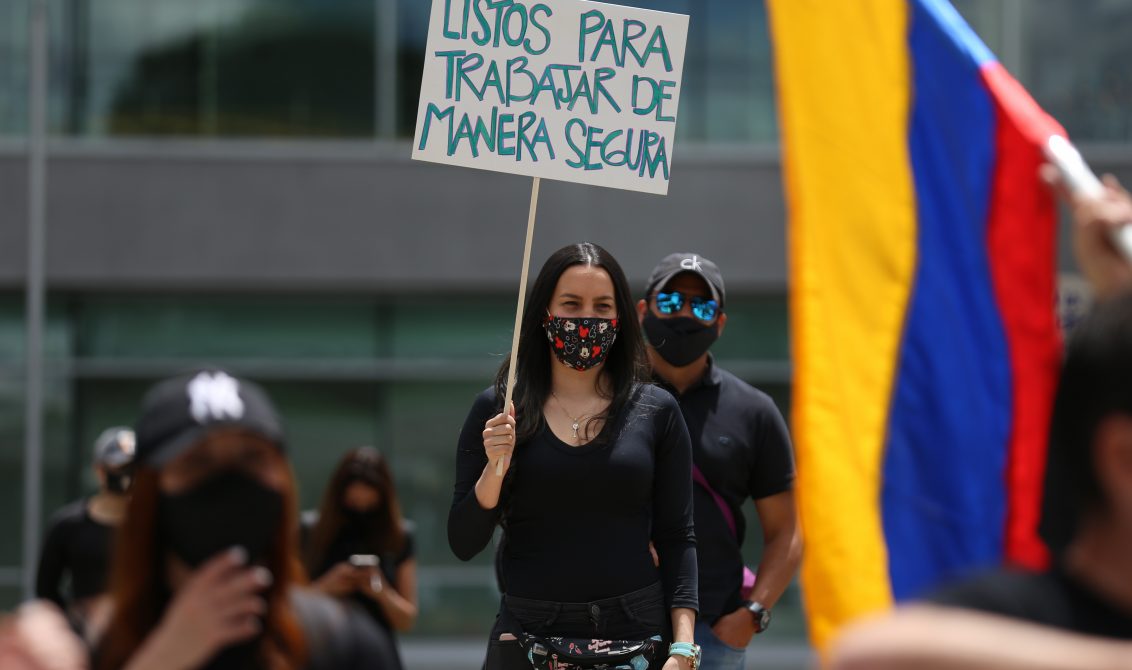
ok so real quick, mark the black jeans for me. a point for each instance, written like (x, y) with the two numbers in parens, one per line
(633, 616)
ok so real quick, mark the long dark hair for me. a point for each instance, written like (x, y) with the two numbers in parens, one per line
(386, 534)
(140, 593)
(625, 364)
(1095, 383)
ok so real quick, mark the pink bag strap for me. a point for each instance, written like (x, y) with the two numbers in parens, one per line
(698, 477)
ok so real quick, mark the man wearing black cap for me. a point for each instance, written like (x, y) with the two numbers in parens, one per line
(740, 449)
(79, 541)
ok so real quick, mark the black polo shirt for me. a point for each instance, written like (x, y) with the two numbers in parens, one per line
(740, 444)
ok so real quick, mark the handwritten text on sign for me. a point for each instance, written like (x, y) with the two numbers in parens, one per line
(563, 89)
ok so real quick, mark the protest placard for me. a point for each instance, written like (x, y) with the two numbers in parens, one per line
(564, 89)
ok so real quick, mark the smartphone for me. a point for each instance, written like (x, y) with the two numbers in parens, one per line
(1081, 181)
(364, 561)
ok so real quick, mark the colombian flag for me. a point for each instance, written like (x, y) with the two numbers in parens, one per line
(922, 254)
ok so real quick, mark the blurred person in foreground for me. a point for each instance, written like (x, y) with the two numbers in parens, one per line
(1078, 613)
(38, 637)
(740, 449)
(357, 546)
(206, 572)
(77, 546)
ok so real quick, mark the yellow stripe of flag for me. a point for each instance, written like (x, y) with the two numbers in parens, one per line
(843, 93)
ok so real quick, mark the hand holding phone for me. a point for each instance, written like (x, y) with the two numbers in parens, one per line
(364, 561)
(368, 562)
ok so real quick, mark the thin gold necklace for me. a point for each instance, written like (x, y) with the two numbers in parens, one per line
(577, 421)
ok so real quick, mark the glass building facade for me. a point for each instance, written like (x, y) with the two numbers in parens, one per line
(351, 68)
(345, 371)
(311, 69)
(372, 364)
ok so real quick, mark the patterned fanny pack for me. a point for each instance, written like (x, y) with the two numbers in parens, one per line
(562, 653)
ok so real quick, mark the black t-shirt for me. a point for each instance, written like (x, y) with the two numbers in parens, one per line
(78, 546)
(1051, 598)
(579, 519)
(335, 638)
(338, 641)
(740, 444)
(347, 544)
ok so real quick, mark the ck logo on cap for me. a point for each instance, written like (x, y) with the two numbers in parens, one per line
(215, 396)
(692, 263)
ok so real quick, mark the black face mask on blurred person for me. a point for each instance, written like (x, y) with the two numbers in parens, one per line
(117, 481)
(359, 518)
(240, 656)
(224, 511)
(681, 339)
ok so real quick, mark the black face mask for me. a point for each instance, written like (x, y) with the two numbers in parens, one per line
(681, 339)
(224, 511)
(358, 518)
(240, 656)
(117, 481)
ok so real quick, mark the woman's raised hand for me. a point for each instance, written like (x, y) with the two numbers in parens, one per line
(220, 605)
(339, 581)
(499, 439)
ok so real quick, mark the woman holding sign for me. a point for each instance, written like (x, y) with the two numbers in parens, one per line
(595, 465)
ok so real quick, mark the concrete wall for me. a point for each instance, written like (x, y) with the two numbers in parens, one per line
(358, 217)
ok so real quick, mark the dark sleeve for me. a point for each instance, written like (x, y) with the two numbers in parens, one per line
(408, 551)
(340, 637)
(53, 562)
(308, 519)
(470, 526)
(774, 457)
(673, 527)
(373, 646)
(1003, 592)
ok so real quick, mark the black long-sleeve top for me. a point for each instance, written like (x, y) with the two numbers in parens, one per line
(77, 545)
(579, 518)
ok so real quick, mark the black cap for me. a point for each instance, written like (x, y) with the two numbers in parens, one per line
(674, 264)
(114, 448)
(178, 412)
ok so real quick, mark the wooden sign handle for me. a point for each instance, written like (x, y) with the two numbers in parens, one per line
(514, 361)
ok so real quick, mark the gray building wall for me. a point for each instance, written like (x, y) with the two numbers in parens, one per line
(350, 217)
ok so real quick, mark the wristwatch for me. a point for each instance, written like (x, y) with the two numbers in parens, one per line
(688, 650)
(760, 614)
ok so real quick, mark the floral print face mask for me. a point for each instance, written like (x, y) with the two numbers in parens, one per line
(580, 342)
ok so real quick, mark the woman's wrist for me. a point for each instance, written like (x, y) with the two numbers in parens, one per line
(687, 653)
(151, 655)
(488, 488)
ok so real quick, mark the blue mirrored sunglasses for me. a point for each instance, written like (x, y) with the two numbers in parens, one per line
(704, 309)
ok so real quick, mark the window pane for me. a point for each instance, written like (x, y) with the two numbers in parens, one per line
(195, 327)
(478, 329)
(985, 18)
(220, 67)
(757, 329)
(13, 68)
(412, 34)
(424, 423)
(737, 72)
(1077, 58)
(58, 478)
